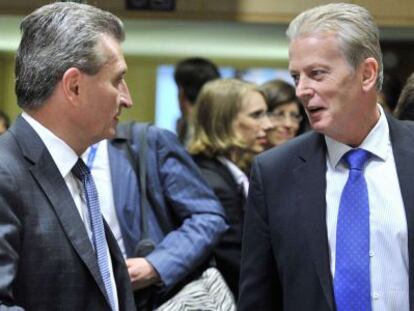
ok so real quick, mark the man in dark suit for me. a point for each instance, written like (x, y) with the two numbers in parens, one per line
(69, 83)
(296, 250)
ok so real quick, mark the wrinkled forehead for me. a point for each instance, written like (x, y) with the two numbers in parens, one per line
(312, 42)
(330, 36)
(319, 46)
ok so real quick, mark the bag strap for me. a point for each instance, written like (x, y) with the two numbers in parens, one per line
(139, 132)
(142, 156)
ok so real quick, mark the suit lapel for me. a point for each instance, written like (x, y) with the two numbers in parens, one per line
(311, 181)
(45, 172)
(402, 138)
(310, 178)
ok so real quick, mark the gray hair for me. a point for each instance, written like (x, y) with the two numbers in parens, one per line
(55, 38)
(357, 33)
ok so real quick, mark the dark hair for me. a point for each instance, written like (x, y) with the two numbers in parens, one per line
(405, 106)
(278, 93)
(391, 88)
(192, 73)
(5, 118)
(55, 38)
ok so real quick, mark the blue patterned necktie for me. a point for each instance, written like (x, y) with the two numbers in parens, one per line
(81, 171)
(352, 273)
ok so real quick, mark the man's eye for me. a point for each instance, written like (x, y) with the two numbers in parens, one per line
(317, 73)
(119, 81)
(295, 79)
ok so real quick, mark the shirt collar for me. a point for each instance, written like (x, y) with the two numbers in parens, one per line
(237, 173)
(63, 155)
(377, 142)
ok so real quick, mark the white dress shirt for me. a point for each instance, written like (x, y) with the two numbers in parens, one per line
(238, 175)
(388, 225)
(65, 158)
(101, 173)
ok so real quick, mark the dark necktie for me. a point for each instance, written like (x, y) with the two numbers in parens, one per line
(352, 273)
(81, 171)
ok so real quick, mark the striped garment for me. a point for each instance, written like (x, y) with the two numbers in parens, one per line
(207, 293)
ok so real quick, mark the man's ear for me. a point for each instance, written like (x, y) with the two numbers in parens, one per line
(70, 84)
(369, 73)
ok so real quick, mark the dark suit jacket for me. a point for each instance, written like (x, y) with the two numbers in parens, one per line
(228, 251)
(285, 260)
(46, 259)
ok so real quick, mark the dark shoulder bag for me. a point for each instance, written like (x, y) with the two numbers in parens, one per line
(145, 298)
(138, 162)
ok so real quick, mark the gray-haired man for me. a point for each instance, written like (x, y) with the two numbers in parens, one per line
(331, 213)
(56, 253)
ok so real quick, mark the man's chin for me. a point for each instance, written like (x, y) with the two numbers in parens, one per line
(111, 133)
(319, 126)
(108, 134)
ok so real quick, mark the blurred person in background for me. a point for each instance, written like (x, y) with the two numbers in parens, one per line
(284, 110)
(230, 127)
(183, 216)
(390, 91)
(405, 106)
(190, 75)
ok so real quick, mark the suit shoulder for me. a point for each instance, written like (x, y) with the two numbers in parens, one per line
(212, 170)
(9, 148)
(11, 163)
(164, 138)
(290, 151)
(156, 131)
(408, 124)
(401, 131)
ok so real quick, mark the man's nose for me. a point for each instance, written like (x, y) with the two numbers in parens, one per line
(303, 89)
(126, 99)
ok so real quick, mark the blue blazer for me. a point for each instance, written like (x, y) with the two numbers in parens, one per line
(46, 259)
(285, 256)
(186, 201)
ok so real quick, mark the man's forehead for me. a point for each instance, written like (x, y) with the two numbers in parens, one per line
(315, 37)
(111, 51)
(109, 46)
(320, 46)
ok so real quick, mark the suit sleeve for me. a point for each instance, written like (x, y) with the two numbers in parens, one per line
(260, 287)
(192, 203)
(9, 240)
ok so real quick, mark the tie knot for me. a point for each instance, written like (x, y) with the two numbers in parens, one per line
(356, 158)
(80, 170)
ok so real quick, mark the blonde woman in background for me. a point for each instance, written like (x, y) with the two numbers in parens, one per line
(230, 127)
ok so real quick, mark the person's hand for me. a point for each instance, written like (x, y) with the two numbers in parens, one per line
(141, 273)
